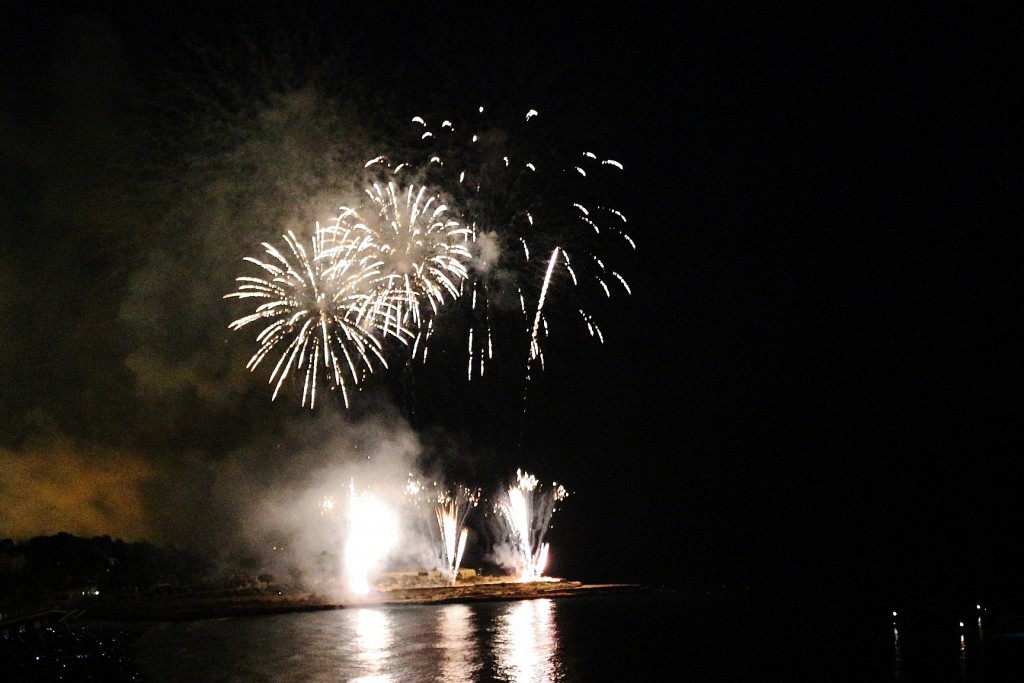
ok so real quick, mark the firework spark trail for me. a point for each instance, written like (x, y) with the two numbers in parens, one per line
(398, 265)
(321, 312)
(451, 508)
(535, 352)
(525, 511)
(518, 201)
(421, 251)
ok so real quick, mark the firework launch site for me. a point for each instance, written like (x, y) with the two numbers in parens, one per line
(134, 590)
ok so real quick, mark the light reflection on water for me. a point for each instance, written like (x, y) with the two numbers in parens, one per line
(627, 637)
(372, 643)
(508, 641)
(524, 642)
(458, 643)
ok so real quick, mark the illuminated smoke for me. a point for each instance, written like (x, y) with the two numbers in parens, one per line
(54, 487)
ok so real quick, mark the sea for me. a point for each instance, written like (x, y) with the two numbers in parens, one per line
(650, 635)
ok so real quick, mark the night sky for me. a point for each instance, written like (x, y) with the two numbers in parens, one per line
(817, 375)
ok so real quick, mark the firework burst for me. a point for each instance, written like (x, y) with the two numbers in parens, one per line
(321, 313)
(511, 243)
(420, 253)
(531, 229)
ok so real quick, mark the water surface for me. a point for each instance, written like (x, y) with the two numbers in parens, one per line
(656, 636)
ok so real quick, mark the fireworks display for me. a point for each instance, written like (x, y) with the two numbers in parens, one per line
(450, 507)
(378, 531)
(421, 253)
(524, 513)
(535, 224)
(511, 233)
(477, 231)
(322, 314)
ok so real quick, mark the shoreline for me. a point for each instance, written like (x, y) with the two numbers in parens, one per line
(140, 613)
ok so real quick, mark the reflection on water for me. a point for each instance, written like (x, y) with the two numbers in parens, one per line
(629, 637)
(457, 642)
(373, 642)
(525, 640)
(936, 644)
(507, 641)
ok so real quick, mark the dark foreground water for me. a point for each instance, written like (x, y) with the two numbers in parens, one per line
(651, 636)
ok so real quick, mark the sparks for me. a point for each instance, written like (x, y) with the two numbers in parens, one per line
(321, 314)
(450, 507)
(514, 196)
(524, 513)
(420, 254)
(372, 532)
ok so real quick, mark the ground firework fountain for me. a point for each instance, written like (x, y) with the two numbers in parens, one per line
(450, 507)
(451, 512)
(523, 513)
(372, 531)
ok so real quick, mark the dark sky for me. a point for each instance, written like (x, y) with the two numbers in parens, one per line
(818, 368)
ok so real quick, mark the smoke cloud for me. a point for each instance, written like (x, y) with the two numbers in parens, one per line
(58, 486)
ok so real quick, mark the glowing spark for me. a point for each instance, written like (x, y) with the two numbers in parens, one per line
(451, 508)
(372, 532)
(320, 312)
(419, 251)
(525, 511)
(327, 505)
(534, 345)
(493, 180)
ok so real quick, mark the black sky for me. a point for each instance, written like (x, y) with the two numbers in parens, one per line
(820, 365)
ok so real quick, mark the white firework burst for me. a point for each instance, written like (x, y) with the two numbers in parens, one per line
(419, 250)
(321, 314)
